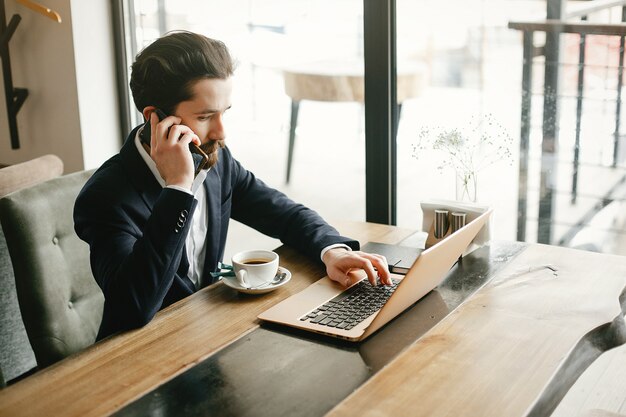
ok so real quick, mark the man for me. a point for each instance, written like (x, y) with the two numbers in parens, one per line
(155, 232)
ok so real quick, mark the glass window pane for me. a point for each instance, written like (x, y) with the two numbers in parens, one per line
(474, 64)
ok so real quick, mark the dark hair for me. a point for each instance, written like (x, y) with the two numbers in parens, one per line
(164, 71)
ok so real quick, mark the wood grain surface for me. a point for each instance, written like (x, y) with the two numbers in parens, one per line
(496, 353)
(114, 372)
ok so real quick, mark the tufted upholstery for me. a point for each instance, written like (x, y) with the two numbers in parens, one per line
(16, 355)
(60, 301)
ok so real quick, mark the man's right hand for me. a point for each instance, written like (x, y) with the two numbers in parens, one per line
(340, 263)
(169, 148)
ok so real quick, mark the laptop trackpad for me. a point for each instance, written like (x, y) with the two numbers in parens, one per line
(399, 258)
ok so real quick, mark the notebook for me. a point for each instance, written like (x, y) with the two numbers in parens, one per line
(359, 310)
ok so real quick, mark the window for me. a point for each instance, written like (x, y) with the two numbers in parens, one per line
(475, 64)
(458, 62)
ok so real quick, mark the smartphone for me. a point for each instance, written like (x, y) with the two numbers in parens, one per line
(200, 158)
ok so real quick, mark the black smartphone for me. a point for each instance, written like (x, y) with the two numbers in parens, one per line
(200, 158)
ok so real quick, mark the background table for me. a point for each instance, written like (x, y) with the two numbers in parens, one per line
(336, 81)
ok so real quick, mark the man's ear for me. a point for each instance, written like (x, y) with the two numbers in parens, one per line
(147, 111)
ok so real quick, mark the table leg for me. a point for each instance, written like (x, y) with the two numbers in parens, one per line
(295, 107)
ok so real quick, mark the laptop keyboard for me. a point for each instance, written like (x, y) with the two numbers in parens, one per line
(352, 306)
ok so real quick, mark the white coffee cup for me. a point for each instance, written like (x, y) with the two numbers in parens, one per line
(255, 268)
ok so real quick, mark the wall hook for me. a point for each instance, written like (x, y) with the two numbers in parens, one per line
(15, 96)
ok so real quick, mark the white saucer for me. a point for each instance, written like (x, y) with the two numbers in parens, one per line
(233, 283)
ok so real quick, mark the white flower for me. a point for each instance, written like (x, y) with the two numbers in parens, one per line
(469, 151)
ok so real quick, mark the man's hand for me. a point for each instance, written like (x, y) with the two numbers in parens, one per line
(341, 262)
(169, 148)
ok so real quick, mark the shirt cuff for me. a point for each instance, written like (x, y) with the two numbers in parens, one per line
(335, 246)
(179, 188)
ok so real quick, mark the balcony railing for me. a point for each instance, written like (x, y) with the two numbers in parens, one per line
(550, 53)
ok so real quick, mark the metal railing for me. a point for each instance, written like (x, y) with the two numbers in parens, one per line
(553, 28)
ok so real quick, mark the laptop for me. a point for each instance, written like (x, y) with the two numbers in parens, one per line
(369, 308)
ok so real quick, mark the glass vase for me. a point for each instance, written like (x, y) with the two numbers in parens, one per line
(466, 184)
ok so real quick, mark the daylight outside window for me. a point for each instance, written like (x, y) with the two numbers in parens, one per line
(460, 65)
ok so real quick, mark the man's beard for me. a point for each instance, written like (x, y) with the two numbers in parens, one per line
(211, 148)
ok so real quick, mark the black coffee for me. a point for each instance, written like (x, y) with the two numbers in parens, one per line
(256, 261)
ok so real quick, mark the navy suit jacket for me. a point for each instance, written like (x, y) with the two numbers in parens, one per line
(136, 231)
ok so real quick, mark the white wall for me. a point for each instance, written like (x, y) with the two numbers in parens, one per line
(68, 69)
(95, 76)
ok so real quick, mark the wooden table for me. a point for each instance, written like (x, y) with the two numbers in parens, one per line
(513, 348)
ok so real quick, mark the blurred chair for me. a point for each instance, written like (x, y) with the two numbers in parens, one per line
(22, 175)
(16, 355)
(60, 301)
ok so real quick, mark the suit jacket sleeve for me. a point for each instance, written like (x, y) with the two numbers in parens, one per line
(135, 251)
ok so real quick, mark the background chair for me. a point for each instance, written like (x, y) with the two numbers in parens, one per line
(16, 355)
(22, 175)
(61, 303)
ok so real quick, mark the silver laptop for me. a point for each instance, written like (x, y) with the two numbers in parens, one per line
(320, 308)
